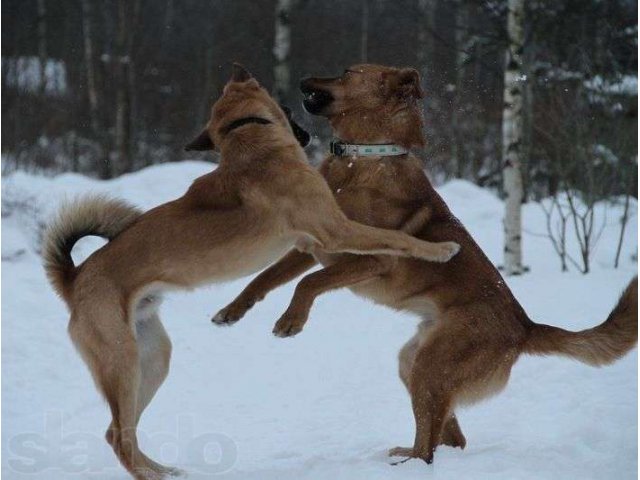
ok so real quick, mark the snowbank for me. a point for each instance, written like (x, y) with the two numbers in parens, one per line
(327, 404)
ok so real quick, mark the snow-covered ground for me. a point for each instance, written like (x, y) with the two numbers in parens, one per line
(241, 403)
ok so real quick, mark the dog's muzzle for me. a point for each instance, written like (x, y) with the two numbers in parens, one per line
(315, 99)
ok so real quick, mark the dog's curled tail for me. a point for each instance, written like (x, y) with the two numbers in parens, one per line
(596, 346)
(92, 215)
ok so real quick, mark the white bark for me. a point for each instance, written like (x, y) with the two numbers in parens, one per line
(512, 129)
(282, 49)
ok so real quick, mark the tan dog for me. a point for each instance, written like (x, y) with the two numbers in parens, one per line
(262, 199)
(473, 329)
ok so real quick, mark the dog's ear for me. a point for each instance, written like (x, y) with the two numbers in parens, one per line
(409, 83)
(201, 143)
(239, 73)
(404, 83)
(300, 133)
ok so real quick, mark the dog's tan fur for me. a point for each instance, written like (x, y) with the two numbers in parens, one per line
(261, 200)
(473, 329)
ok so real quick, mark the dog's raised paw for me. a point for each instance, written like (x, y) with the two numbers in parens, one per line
(448, 250)
(225, 317)
(288, 326)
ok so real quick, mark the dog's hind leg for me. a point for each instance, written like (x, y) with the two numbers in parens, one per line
(108, 345)
(406, 357)
(154, 352)
(451, 369)
(452, 433)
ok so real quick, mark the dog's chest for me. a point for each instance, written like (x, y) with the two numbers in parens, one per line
(371, 191)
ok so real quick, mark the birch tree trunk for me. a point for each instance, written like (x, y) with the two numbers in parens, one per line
(282, 50)
(512, 128)
(42, 45)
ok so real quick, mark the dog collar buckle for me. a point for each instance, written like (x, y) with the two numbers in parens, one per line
(337, 149)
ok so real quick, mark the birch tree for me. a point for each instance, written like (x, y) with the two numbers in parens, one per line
(512, 129)
(282, 50)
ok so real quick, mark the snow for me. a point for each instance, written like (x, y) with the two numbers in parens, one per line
(241, 403)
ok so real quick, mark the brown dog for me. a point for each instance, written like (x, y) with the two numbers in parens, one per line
(473, 329)
(262, 199)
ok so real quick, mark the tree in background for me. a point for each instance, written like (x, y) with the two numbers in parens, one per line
(282, 50)
(97, 129)
(123, 63)
(512, 135)
(177, 55)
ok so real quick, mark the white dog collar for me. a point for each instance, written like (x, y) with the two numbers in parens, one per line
(342, 149)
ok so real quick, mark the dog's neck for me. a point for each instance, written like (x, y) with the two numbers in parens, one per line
(241, 122)
(401, 127)
(247, 143)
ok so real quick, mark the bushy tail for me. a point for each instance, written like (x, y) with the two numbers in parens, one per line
(596, 346)
(94, 215)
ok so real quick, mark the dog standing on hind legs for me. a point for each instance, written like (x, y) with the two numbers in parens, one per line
(473, 329)
(442, 371)
(262, 200)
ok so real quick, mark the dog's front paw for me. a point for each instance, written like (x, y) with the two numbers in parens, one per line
(231, 313)
(289, 325)
(446, 251)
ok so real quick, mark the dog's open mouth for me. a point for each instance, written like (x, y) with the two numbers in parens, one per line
(314, 99)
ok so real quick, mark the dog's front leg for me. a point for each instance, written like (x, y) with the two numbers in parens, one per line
(412, 226)
(339, 275)
(290, 266)
(351, 237)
